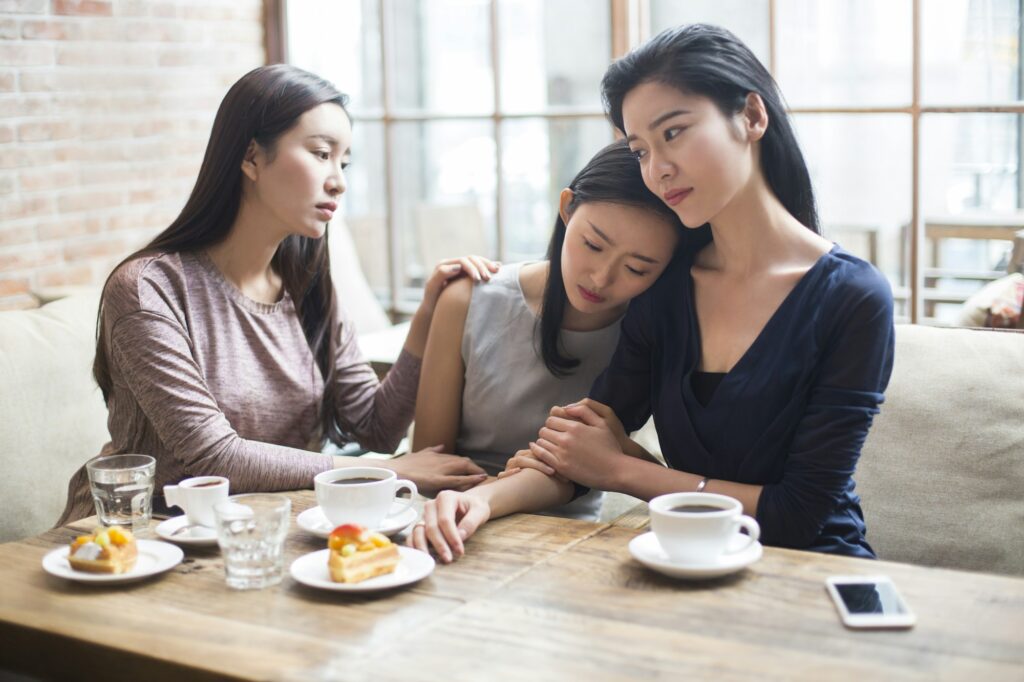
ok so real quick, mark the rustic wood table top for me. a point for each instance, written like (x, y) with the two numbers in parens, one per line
(535, 598)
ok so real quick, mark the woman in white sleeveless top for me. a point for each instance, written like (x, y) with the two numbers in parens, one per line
(538, 334)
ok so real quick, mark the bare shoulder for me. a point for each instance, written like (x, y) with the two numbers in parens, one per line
(455, 298)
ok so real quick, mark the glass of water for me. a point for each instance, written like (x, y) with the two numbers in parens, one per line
(122, 489)
(250, 531)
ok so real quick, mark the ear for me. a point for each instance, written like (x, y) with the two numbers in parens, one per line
(564, 200)
(755, 117)
(250, 162)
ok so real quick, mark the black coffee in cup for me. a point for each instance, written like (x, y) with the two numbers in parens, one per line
(695, 508)
(207, 484)
(355, 480)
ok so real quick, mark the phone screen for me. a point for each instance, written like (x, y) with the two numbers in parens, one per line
(879, 598)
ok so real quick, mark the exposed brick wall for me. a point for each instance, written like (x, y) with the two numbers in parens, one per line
(105, 108)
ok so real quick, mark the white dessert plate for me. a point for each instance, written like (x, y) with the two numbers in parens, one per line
(647, 550)
(177, 529)
(314, 522)
(311, 569)
(154, 557)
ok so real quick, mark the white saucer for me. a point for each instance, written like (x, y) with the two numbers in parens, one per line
(154, 557)
(311, 569)
(646, 549)
(313, 521)
(193, 535)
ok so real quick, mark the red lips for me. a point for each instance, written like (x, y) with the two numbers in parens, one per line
(589, 295)
(675, 196)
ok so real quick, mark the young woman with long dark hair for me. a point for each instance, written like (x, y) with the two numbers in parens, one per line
(221, 346)
(763, 353)
(500, 354)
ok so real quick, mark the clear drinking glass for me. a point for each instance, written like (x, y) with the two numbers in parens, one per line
(250, 531)
(122, 489)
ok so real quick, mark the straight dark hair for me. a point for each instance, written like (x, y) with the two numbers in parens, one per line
(612, 176)
(712, 62)
(261, 106)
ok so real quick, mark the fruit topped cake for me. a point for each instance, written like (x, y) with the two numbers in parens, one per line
(358, 554)
(107, 550)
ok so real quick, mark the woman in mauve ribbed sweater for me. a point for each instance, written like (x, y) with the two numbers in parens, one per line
(222, 348)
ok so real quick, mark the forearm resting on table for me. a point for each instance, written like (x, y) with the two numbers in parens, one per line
(647, 480)
(526, 491)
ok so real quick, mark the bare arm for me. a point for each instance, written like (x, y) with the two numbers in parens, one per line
(453, 517)
(475, 268)
(439, 398)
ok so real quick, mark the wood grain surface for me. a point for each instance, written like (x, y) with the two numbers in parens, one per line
(536, 598)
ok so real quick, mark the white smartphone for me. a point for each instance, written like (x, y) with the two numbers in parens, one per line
(869, 602)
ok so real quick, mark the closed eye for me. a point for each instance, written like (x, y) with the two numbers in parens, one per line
(638, 273)
(592, 246)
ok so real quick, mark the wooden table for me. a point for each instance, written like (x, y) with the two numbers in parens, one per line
(537, 598)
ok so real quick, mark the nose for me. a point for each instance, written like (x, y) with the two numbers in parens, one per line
(661, 167)
(335, 183)
(603, 275)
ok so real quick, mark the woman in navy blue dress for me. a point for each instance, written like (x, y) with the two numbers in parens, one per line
(762, 352)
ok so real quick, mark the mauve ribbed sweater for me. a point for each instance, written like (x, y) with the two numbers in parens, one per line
(209, 381)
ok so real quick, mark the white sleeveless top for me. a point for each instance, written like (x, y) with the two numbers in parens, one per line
(508, 390)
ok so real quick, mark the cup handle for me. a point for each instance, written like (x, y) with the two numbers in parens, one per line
(402, 484)
(171, 496)
(753, 530)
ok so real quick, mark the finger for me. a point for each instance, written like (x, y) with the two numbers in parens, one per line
(447, 510)
(559, 424)
(475, 516)
(537, 465)
(585, 414)
(418, 539)
(470, 268)
(599, 408)
(544, 455)
(464, 483)
(556, 438)
(558, 411)
(482, 266)
(436, 448)
(434, 534)
(470, 468)
(509, 472)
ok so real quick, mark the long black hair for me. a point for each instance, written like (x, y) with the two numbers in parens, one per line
(612, 176)
(261, 106)
(712, 62)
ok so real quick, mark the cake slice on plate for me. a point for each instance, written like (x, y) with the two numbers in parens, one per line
(357, 554)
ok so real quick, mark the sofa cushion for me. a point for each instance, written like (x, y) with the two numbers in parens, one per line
(52, 416)
(942, 472)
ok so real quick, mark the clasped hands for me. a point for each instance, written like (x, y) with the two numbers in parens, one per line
(581, 442)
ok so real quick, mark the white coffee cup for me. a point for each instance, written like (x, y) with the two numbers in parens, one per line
(359, 495)
(696, 528)
(197, 496)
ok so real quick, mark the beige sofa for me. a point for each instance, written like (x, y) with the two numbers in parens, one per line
(942, 473)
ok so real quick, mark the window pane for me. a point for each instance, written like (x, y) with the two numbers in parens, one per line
(971, 205)
(748, 19)
(339, 40)
(441, 56)
(845, 52)
(970, 51)
(861, 169)
(364, 204)
(539, 158)
(444, 173)
(544, 65)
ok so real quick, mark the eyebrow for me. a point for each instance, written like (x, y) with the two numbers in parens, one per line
(605, 237)
(661, 119)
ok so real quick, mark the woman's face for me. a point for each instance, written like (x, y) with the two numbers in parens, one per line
(298, 183)
(613, 253)
(693, 157)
